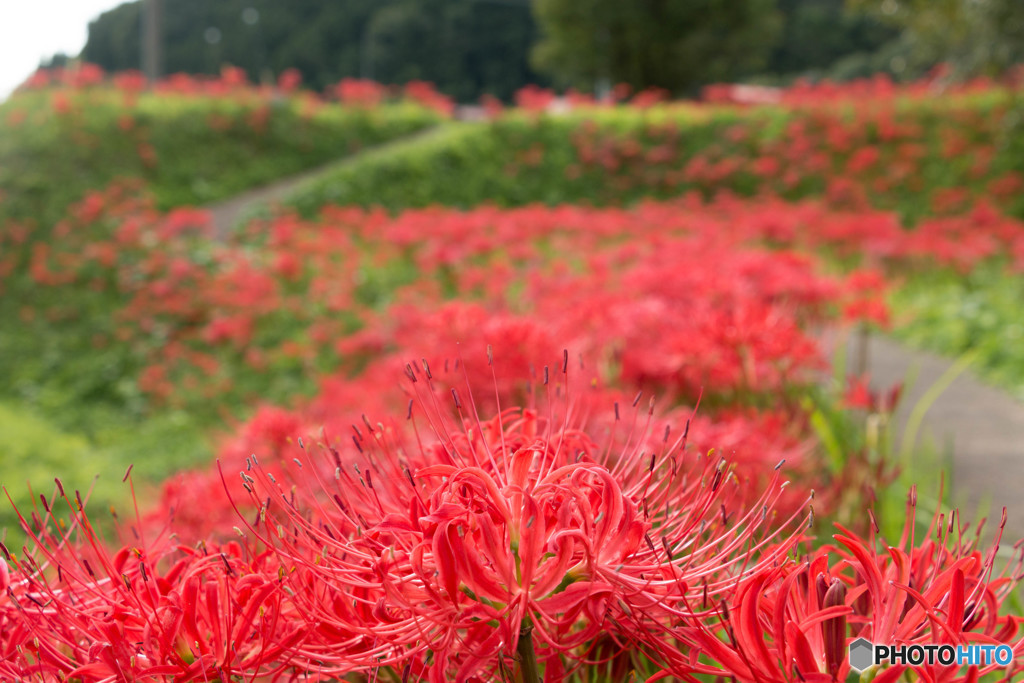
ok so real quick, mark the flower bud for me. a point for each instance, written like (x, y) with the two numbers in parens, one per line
(833, 630)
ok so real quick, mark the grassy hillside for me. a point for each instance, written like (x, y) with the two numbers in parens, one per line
(905, 155)
(56, 144)
(69, 392)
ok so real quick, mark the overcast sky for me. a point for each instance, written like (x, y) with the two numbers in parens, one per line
(33, 29)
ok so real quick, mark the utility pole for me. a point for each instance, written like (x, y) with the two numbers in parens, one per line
(152, 54)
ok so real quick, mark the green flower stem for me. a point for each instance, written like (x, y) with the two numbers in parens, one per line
(527, 657)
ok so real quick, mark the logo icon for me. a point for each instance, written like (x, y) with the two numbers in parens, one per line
(861, 651)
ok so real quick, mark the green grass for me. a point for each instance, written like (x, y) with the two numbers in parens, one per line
(952, 313)
(92, 460)
(521, 159)
(476, 163)
(188, 150)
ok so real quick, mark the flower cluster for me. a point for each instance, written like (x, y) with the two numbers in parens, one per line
(232, 82)
(200, 316)
(879, 88)
(854, 153)
(462, 544)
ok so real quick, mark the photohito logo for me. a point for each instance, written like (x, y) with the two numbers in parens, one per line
(864, 654)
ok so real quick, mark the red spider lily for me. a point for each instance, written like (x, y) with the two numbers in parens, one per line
(534, 98)
(427, 95)
(153, 610)
(859, 395)
(289, 80)
(361, 92)
(943, 590)
(791, 623)
(438, 555)
(787, 623)
(737, 314)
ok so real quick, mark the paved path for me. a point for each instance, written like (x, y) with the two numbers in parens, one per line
(228, 213)
(981, 426)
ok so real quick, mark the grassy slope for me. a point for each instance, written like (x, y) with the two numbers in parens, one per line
(188, 150)
(63, 401)
(481, 162)
(522, 159)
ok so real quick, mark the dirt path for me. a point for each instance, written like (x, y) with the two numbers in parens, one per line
(981, 426)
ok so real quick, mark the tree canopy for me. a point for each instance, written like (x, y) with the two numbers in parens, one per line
(471, 47)
(974, 36)
(822, 36)
(665, 43)
(465, 47)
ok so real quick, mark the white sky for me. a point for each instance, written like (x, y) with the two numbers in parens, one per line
(33, 29)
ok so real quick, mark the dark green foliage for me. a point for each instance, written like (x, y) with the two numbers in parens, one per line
(471, 47)
(974, 36)
(816, 34)
(645, 43)
(465, 47)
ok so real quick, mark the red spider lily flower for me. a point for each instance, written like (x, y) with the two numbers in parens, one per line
(441, 554)
(791, 623)
(151, 611)
(943, 590)
(289, 80)
(859, 395)
(787, 623)
(360, 92)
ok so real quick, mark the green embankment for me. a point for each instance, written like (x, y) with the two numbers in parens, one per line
(69, 402)
(623, 155)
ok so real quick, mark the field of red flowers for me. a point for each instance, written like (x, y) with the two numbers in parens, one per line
(546, 442)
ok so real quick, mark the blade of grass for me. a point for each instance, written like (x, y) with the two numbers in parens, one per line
(926, 401)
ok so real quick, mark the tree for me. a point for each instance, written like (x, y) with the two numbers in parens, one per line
(673, 44)
(57, 61)
(818, 34)
(974, 36)
(466, 47)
